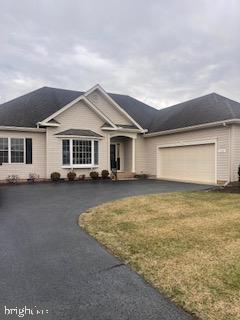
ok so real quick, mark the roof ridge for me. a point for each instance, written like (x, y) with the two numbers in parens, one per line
(187, 101)
(228, 104)
(147, 105)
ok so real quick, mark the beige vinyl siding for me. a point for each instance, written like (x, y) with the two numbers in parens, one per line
(108, 109)
(128, 155)
(141, 154)
(235, 155)
(191, 163)
(79, 116)
(221, 134)
(38, 165)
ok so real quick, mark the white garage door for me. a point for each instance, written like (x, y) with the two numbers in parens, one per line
(195, 163)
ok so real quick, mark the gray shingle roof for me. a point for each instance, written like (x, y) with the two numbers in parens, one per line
(210, 108)
(78, 132)
(37, 105)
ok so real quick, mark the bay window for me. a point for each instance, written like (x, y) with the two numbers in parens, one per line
(78, 153)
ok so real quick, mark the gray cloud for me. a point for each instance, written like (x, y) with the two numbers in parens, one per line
(161, 52)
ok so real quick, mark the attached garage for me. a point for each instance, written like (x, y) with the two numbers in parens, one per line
(190, 163)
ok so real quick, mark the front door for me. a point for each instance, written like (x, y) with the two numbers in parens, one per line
(115, 156)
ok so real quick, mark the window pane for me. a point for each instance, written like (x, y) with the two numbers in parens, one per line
(82, 152)
(66, 152)
(96, 152)
(3, 150)
(17, 150)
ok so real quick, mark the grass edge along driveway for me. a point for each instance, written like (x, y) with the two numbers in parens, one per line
(185, 244)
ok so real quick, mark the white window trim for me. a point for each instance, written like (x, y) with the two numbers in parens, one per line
(80, 166)
(9, 151)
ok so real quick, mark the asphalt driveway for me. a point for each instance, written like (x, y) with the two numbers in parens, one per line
(48, 263)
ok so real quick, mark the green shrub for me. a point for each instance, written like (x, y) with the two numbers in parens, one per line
(55, 176)
(105, 174)
(94, 175)
(71, 175)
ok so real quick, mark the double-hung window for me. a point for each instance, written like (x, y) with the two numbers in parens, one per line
(17, 150)
(12, 150)
(80, 153)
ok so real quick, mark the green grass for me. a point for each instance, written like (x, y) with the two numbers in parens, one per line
(186, 244)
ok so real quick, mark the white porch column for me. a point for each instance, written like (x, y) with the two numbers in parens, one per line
(133, 154)
(108, 152)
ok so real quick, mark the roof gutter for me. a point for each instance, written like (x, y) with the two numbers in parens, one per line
(197, 127)
(28, 129)
(69, 136)
(47, 124)
(124, 129)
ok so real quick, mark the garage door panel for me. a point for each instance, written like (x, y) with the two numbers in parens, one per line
(188, 163)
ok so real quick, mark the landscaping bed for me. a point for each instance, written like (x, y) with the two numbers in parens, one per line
(231, 188)
(184, 244)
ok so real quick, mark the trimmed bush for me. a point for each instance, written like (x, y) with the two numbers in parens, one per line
(55, 176)
(105, 174)
(32, 177)
(71, 175)
(14, 178)
(94, 175)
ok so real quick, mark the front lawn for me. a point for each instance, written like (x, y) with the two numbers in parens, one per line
(186, 244)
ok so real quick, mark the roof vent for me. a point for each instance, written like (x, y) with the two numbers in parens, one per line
(94, 97)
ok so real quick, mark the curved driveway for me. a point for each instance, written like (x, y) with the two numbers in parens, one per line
(47, 261)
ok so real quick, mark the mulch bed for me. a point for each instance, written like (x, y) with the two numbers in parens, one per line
(231, 188)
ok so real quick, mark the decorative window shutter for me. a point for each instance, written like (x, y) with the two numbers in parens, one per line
(28, 151)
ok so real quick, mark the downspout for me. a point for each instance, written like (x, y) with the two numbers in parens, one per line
(229, 155)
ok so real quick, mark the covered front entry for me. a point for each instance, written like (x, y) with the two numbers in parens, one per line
(122, 154)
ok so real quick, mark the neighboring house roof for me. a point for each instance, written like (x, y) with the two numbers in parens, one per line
(34, 107)
(207, 109)
(78, 132)
(28, 110)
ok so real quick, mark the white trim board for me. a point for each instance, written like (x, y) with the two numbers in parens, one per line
(190, 128)
(78, 137)
(8, 128)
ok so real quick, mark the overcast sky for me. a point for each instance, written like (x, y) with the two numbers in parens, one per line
(161, 52)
